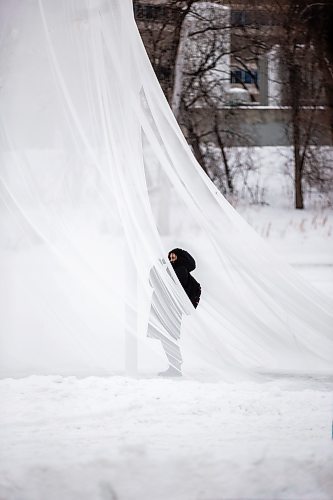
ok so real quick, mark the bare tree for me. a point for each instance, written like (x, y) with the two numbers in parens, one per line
(305, 70)
(303, 91)
(316, 18)
(161, 28)
(196, 82)
(205, 87)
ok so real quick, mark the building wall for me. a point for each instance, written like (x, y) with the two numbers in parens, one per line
(157, 19)
(262, 126)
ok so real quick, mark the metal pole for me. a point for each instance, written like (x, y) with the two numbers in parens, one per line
(131, 326)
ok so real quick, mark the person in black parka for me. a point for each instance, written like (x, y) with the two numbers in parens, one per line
(183, 264)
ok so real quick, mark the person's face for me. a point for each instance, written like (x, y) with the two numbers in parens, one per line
(172, 257)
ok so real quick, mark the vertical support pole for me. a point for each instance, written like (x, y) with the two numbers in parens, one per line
(164, 203)
(131, 326)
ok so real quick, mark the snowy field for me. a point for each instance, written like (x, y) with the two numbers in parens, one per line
(120, 438)
(303, 238)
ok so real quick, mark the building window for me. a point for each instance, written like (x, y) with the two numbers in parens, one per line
(244, 76)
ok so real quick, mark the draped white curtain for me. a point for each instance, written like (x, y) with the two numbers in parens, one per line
(89, 151)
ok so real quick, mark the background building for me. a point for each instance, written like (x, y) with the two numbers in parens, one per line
(243, 74)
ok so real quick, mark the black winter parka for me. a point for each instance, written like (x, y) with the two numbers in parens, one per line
(183, 267)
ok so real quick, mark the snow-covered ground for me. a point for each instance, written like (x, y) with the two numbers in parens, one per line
(303, 238)
(119, 438)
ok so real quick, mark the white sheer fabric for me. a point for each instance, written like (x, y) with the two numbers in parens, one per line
(97, 184)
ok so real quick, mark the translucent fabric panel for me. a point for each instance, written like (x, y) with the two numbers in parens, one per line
(97, 185)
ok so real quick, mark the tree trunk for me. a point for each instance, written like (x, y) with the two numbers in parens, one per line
(175, 47)
(177, 71)
(328, 85)
(318, 16)
(299, 203)
(295, 83)
(224, 156)
(194, 141)
(326, 67)
(296, 126)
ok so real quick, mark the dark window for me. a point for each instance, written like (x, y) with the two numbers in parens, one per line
(244, 76)
(236, 76)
